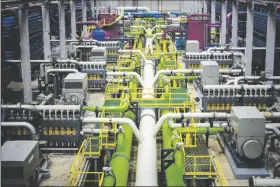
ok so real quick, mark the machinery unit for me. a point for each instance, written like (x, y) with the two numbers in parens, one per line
(98, 54)
(249, 131)
(96, 73)
(75, 88)
(192, 46)
(210, 73)
(19, 163)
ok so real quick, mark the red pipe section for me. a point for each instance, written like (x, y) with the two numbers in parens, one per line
(171, 31)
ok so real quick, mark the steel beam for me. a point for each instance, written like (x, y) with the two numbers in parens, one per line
(46, 29)
(270, 39)
(224, 23)
(25, 52)
(61, 13)
(249, 37)
(234, 33)
(73, 19)
(84, 14)
(213, 17)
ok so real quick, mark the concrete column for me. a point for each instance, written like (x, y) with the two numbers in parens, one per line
(84, 13)
(92, 7)
(25, 52)
(61, 13)
(249, 37)
(270, 39)
(224, 22)
(46, 29)
(213, 16)
(73, 19)
(234, 33)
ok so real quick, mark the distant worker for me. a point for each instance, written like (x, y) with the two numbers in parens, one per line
(109, 9)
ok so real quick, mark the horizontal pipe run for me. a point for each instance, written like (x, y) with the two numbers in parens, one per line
(260, 182)
(21, 124)
(189, 71)
(127, 121)
(133, 51)
(134, 74)
(164, 117)
(42, 107)
(134, 8)
(59, 70)
(174, 125)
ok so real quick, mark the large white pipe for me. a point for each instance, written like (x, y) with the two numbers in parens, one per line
(188, 71)
(217, 49)
(134, 74)
(134, 8)
(187, 115)
(59, 70)
(21, 124)
(260, 182)
(43, 107)
(174, 125)
(117, 120)
(146, 169)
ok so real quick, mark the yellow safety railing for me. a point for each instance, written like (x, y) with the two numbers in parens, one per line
(220, 179)
(200, 166)
(76, 172)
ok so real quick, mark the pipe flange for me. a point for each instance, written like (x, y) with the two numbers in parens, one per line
(121, 155)
(251, 181)
(147, 115)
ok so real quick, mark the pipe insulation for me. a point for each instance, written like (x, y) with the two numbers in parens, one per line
(59, 70)
(30, 127)
(260, 182)
(146, 169)
(127, 121)
(213, 115)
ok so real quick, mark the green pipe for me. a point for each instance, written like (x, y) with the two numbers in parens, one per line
(200, 130)
(174, 175)
(124, 106)
(121, 158)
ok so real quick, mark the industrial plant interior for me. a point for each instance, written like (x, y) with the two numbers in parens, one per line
(140, 93)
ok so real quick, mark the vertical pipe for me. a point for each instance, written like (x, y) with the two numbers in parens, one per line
(97, 8)
(224, 23)
(84, 13)
(234, 34)
(46, 29)
(213, 17)
(25, 52)
(249, 38)
(73, 19)
(270, 40)
(146, 171)
(92, 8)
(61, 13)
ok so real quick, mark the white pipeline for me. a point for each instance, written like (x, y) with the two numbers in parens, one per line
(134, 74)
(59, 70)
(134, 8)
(43, 107)
(260, 182)
(174, 125)
(117, 120)
(30, 127)
(146, 169)
(208, 115)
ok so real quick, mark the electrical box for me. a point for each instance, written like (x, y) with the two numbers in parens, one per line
(210, 73)
(75, 87)
(98, 54)
(249, 131)
(192, 46)
(19, 160)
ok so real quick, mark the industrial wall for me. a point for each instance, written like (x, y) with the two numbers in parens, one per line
(190, 6)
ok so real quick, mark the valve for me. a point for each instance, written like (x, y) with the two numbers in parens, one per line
(179, 145)
(120, 129)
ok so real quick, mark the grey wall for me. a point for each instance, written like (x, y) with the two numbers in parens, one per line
(189, 6)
